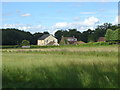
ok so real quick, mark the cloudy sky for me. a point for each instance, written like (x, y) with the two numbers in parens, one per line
(51, 16)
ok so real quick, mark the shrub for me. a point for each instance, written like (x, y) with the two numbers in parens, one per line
(101, 43)
(94, 44)
(25, 43)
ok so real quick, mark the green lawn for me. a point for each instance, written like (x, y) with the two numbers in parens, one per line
(66, 67)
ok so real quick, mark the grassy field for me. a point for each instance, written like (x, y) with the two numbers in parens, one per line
(61, 67)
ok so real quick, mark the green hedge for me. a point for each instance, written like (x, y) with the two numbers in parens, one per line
(80, 45)
(36, 46)
(94, 44)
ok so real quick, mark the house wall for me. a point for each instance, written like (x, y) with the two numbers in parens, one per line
(72, 39)
(47, 40)
(51, 38)
(40, 42)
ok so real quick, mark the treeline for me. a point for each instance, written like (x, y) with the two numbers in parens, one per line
(89, 35)
(11, 36)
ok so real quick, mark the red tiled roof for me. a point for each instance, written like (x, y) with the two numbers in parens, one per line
(79, 42)
(101, 39)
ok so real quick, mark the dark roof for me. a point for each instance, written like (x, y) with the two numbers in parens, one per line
(44, 36)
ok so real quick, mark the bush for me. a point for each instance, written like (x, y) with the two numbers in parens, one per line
(25, 43)
(36, 46)
(101, 43)
(17, 46)
(94, 44)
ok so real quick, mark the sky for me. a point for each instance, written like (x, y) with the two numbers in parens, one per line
(53, 16)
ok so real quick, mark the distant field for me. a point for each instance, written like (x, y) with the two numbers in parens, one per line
(61, 67)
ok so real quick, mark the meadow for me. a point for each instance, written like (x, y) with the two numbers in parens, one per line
(61, 67)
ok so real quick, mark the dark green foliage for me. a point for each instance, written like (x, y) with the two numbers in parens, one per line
(11, 36)
(75, 33)
(68, 33)
(88, 35)
(45, 32)
(25, 43)
(59, 34)
(35, 37)
(14, 36)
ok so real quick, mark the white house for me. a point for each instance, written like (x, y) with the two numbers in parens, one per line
(47, 39)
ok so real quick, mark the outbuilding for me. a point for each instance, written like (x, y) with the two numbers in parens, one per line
(101, 39)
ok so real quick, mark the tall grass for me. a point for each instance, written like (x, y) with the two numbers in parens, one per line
(61, 68)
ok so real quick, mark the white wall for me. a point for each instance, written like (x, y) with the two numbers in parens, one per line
(47, 40)
(40, 42)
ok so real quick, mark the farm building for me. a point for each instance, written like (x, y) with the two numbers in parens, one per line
(101, 39)
(68, 40)
(47, 39)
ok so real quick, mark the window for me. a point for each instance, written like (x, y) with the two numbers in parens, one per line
(46, 40)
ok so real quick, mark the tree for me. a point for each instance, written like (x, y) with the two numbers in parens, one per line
(100, 31)
(63, 41)
(25, 43)
(104, 27)
(109, 35)
(75, 33)
(91, 38)
(11, 36)
(68, 33)
(58, 35)
(45, 32)
(87, 35)
(116, 35)
(113, 36)
(35, 37)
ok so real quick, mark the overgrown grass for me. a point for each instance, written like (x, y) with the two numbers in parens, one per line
(77, 67)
